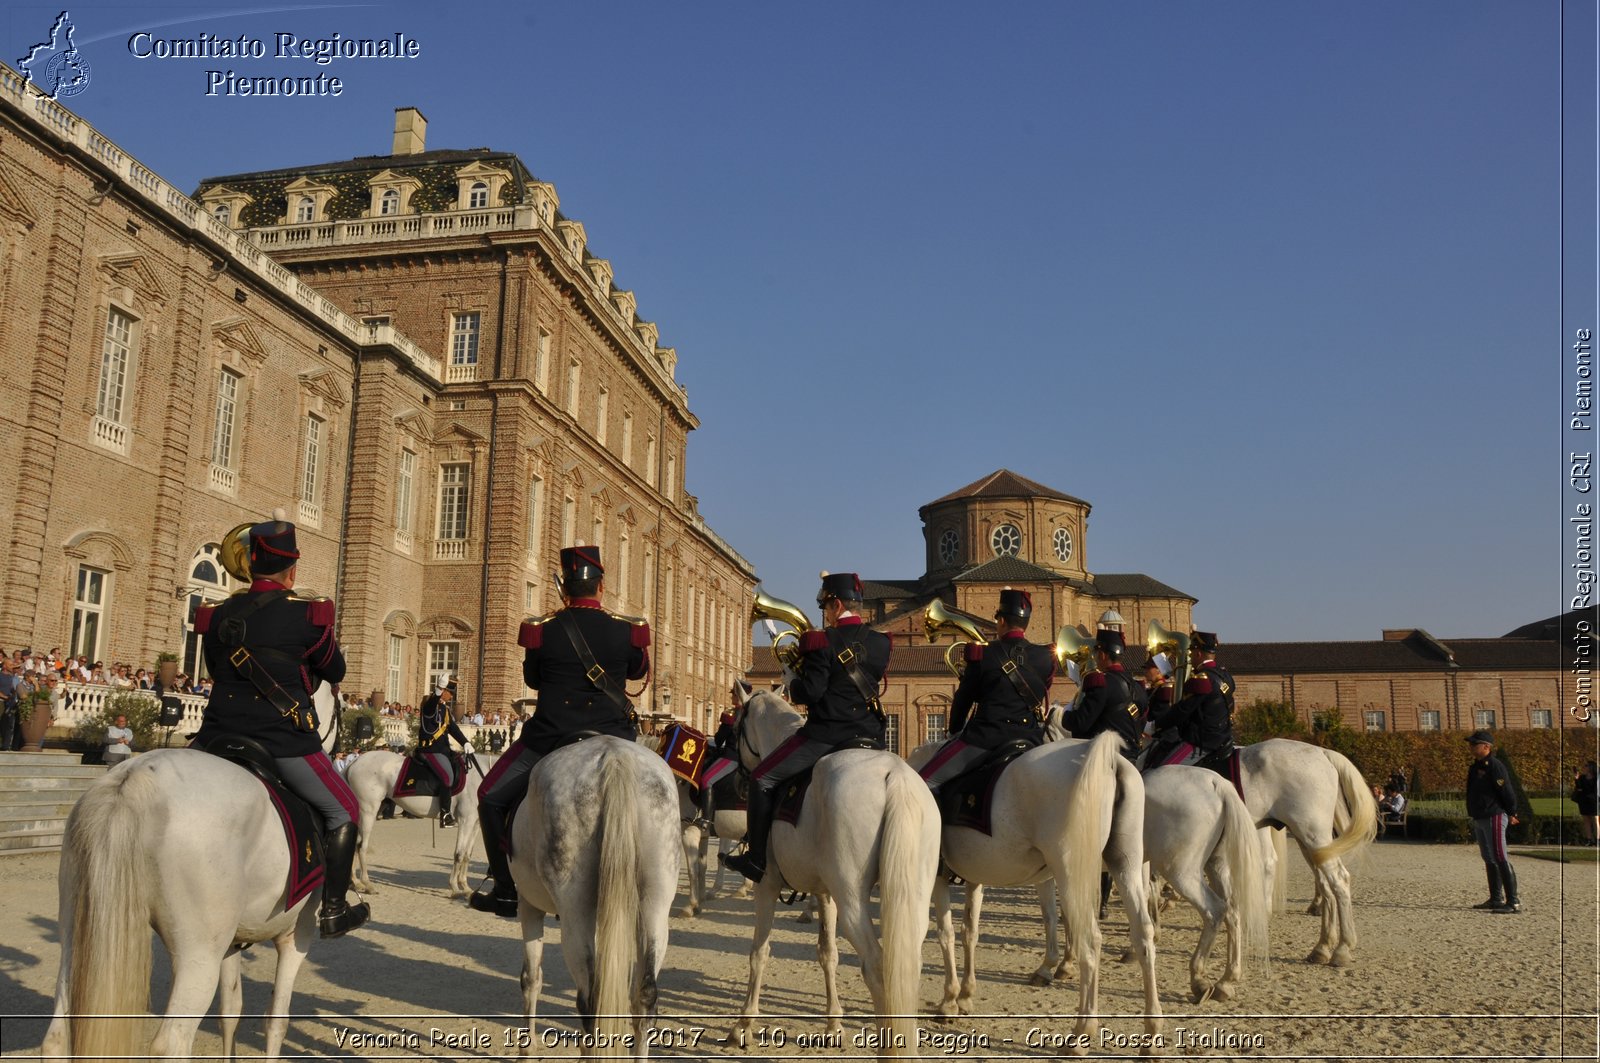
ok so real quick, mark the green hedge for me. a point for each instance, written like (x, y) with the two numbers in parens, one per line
(1543, 830)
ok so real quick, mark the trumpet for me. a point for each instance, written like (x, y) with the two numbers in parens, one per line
(937, 620)
(1158, 639)
(767, 607)
(1072, 645)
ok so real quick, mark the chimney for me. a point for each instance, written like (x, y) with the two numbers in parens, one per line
(410, 131)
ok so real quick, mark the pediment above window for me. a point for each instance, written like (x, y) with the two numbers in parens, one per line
(239, 336)
(133, 271)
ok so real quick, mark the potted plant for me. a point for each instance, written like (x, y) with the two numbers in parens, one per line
(167, 669)
(33, 719)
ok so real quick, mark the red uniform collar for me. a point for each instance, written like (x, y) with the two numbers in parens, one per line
(584, 603)
(1015, 635)
(1209, 662)
(262, 583)
(848, 621)
(1115, 667)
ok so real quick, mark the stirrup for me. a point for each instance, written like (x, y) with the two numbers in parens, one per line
(446, 820)
(502, 902)
(339, 917)
(742, 863)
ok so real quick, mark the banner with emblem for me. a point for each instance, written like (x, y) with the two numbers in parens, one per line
(684, 749)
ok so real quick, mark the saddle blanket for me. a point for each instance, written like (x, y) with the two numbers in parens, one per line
(1227, 767)
(684, 749)
(417, 779)
(302, 828)
(968, 799)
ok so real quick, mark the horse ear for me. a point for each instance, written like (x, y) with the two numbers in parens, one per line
(742, 691)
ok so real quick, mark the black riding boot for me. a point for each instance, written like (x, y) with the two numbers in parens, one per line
(1513, 902)
(752, 863)
(445, 818)
(339, 916)
(499, 895)
(705, 809)
(1494, 901)
(1105, 891)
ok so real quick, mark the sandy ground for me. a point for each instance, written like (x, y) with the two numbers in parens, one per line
(1432, 978)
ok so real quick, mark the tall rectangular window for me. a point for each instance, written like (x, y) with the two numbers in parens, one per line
(935, 725)
(464, 338)
(535, 519)
(891, 733)
(405, 478)
(602, 413)
(443, 658)
(541, 360)
(574, 382)
(650, 461)
(623, 558)
(669, 484)
(391, 688)
(115, 357)
(569, 520)
(88, 612)
(227, 407)
(627, 439)
(454, 488)
(311, 480)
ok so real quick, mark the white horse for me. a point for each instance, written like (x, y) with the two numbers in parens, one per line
(191, 846)
(1325, 804)
(372, 777)
(729, 825)
(1056, 811)
(867, 820)
(596, 843)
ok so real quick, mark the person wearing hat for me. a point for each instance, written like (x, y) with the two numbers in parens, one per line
(266, 649)
(1203, 716)
(435, 728)
(840, 673)
(1110, 700)
(577, 658)
(1008, 680)
(1492, 806)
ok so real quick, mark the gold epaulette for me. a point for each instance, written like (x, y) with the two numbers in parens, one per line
(293, 597)
(535, 621)
(636, 621)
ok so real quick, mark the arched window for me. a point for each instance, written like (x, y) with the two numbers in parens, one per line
(223, 213)
(209, 583)
(389, 202)
(477, 196)
(306, 209)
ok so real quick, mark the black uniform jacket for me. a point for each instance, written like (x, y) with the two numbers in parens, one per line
(1204, 715)
(1489, 789)
(1111, 701)
(568, 701)
(838, 712)
(437, 726)
(292, 640)
(1004, 714)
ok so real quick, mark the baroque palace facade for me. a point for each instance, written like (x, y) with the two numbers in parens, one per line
(414, 356)
(1008, 531)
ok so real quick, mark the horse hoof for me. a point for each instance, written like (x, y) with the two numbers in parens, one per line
(1318, 955)
(1201, 993)
(1039, 978)
(1341, 957)
(686, 913)
(1223, 991)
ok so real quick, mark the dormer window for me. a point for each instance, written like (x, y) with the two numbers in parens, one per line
(477, 196)
(305, 209)
(389, 202)
(391, 194)
(478, 186)
(223, 213)
(225, 205)
(307, 201)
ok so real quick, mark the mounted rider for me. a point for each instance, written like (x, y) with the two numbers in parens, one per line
(577, 659)
(840, 673)
(1007, 680)
(266, 649)
(1111, 700)
(1203, 717)
(439, 712)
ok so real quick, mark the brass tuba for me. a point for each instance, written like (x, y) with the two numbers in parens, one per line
(767, 607)
(1158, 639)
(1073, 645)
(938, 620)
(236, 553)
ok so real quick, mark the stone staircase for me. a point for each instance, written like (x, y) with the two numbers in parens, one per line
(37, 790)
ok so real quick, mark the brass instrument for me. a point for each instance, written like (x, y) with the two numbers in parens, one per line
(236, 553)
(937, 620)
(767, 607)
(1158, 639)
(1073, 645)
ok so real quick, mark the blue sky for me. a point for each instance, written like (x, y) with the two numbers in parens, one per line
(1277, 288)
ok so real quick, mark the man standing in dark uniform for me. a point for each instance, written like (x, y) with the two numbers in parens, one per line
(577, 659)
(1492, 806)
(1204, 715)
(1008, 680)
(266, 649)
(435, 729)
(1111, 699)
(841, 669)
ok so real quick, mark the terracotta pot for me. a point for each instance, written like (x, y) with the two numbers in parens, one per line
(34, 728)
(167, 674)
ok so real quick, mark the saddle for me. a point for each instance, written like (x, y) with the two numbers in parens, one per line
(417, 779)
(789, 801)
(302, 824)
(967, 800)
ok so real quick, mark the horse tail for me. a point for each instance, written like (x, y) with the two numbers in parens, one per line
(1087, 831)
(1241, 852)
(1360, 806)
(102, 852)
(907, 864)
(617, 927)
